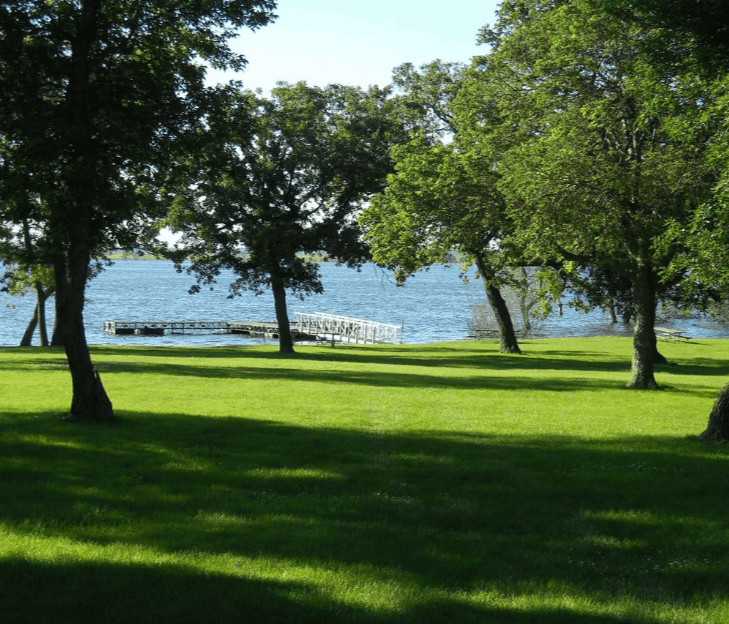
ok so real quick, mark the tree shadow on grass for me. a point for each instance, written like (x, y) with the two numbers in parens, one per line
(430, 359)
(434, 518)
(150, 594)
(495, 371)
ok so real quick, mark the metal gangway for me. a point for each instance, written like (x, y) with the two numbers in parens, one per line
(346, 329)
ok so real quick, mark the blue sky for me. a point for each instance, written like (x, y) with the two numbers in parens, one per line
(359, 43)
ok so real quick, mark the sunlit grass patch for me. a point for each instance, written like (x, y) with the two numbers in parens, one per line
(416, 483)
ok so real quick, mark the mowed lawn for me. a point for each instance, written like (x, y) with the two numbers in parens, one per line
(416, 483)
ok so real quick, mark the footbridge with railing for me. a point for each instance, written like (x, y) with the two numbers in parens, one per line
(347, 329)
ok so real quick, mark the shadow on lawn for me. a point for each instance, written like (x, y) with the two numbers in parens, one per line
(175, 362)
(176, 595)
(430, 519)
(347, 366)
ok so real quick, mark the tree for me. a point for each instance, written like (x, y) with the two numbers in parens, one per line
(25, 270)
(590, 172)
(440, 198)
(94, 97)
(281, 179)
(685, 28)
(697, 33)
(434, 204)
(39, 280)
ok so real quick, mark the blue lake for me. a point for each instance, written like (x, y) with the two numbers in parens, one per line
(433, 306)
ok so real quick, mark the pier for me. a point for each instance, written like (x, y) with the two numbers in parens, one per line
(267, 329)
(347, 329)
(317, 326)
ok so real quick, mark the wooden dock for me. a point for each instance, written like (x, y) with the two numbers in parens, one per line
(265, 329)
(317, 326)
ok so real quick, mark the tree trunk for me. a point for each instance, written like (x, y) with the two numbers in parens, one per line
(37, 320)
(90, 402)
(285, 340)
(658, 357)
(644, 335)
(613, 313)
(56, 336)
(42, 296)
(718, 428)
(507, 337)
(27, 339)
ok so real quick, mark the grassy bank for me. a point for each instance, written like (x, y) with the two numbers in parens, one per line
(440, 483)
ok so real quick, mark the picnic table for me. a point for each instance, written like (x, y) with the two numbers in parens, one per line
(666, 333)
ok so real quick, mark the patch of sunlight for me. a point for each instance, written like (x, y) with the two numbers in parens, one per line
(44, 440)
(647, 518)
(192, 464)
(548, 600)
(421, 458)
(293, 473)
(362, 586)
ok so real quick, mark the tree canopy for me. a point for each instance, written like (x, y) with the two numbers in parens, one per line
(279, 180)
(589, 167)
(441, 196)
(94, 97)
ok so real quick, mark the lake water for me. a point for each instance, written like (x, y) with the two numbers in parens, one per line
(433, 306)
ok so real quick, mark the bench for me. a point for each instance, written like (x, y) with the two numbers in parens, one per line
(675, 335)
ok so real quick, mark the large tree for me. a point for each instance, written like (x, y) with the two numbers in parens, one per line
(437, 202)
(441, 197)
(93, 97)
(282, 179)
(589, 169)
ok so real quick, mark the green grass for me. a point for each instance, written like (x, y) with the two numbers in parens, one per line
(442, 483)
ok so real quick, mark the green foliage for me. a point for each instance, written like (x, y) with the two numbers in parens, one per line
(393, 483)
(95, 101)
(282, 179)
(433, 204)
(584, 127)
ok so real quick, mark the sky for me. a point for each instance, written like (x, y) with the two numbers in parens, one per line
(358, 43)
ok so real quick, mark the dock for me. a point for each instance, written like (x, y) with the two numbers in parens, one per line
(347, 329)
(307, 327)
(266, 329)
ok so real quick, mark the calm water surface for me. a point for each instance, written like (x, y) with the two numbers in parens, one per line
(433, 306)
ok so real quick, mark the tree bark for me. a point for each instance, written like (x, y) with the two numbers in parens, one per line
(27, 339)
(644, 335)
(507, 336)
(717, 430)
(658, 357)
(613, 313)
(90, 402)
(42, 296)
(37, 320)
(285, 339)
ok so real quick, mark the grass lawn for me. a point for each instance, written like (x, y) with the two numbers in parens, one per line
(419, 483)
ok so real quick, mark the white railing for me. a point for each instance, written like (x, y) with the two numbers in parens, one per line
(346, 329)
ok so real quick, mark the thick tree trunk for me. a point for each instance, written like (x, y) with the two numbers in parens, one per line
(507, 336)
(285, 340)
(658, 357)
(56, 336)
(718, 428)
(27, 339)
(644, 336)
(90, 402)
